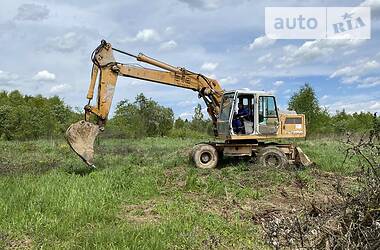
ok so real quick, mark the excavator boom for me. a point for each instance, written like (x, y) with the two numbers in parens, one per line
(105, 71)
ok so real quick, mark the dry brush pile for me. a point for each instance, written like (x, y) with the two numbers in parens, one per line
(349, 221)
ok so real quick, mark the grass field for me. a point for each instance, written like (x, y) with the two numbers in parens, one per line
(146, 194)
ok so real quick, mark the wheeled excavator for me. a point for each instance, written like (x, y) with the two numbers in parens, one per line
(259, 126)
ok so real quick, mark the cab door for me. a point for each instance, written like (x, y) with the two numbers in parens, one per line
(224, 120)
(268, 115)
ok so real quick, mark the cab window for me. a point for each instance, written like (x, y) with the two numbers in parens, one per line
(226, 106)
(267, 108)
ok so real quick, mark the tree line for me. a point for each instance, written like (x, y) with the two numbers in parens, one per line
(319, 121)
(24, 117)
(144, 117)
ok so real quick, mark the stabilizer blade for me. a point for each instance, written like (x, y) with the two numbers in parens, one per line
(303, 158)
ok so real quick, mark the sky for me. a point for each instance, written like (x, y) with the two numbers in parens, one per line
(46, 48)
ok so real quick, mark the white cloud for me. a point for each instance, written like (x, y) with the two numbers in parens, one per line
(204, 4)
(187, 103)
(255, 82)
(168, 45)
(136, 82)
(212, 76)
(261, 42)
(228, 80)
(66, 43)
(59, 88)
(366, 82)
(353, 104)
(145, 35)
(278, 83)
(209, 66)
(375, 106)
(312, 50)
(350, 80)
(324, 97)
(32, 12)
(169, 30)
(349, 52)
(361, 67)
(7, 76)
(375, 7)
(267, 58)
(44, 75)
(186, 115)
(369, 82)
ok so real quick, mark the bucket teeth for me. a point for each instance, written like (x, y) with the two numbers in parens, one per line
(81, 137)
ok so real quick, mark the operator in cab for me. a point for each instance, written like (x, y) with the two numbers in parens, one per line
(237, 122)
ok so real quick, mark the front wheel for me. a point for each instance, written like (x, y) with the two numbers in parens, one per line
(272, 157)
(205, 156)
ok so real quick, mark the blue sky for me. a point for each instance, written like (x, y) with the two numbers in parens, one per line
(46, 47)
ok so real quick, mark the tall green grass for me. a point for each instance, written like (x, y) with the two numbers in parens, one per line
(144, 194)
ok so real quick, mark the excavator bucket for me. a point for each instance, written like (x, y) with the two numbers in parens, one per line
(81, 137)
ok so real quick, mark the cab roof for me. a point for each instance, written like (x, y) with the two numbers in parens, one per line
(251, 92)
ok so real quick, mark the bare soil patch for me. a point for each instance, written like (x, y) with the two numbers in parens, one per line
(12, 243)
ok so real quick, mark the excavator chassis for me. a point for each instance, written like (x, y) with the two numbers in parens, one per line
(207, 155)
(81, 137)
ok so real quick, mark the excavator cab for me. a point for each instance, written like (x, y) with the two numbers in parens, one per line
(245, 112)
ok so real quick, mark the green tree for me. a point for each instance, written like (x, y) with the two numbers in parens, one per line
(323, 123)
(32, 117)
(198, 123)
(142, 118)
(198, 115)
(179, 123)
(305, 102)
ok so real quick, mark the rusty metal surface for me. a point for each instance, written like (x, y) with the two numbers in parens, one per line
(81, 137)
(237, 151)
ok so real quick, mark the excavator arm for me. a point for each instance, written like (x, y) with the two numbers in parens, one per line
(105, 72)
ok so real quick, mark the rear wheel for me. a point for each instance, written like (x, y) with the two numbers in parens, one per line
(205, 156)
(272, 157)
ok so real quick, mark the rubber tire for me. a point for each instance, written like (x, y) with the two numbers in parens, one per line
(199, 151)
(192, 152)
(272, 151)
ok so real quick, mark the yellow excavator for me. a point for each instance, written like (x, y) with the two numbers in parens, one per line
(245, 122)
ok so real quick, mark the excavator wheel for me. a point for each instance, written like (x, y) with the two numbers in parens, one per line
(272, 157)
(205, 156)
(193, 150)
